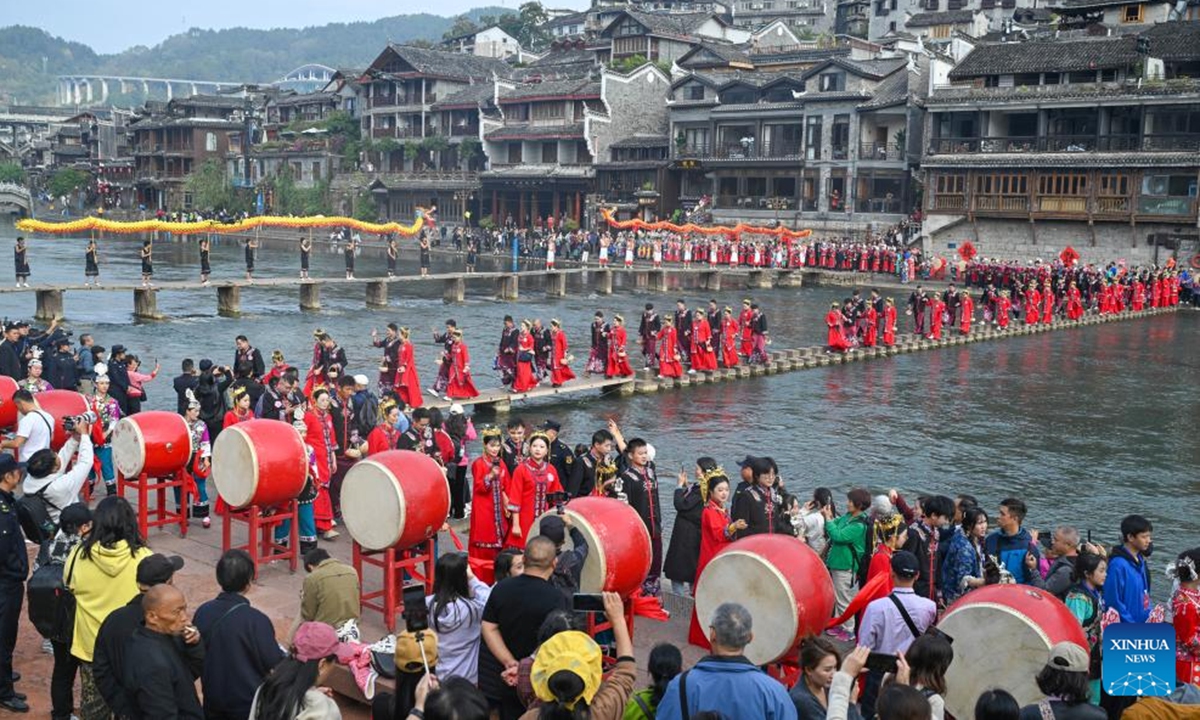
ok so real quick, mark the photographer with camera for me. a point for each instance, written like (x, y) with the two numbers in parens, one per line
(34, 429)
(54, 476)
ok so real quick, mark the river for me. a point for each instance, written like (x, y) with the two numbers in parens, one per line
(1085, 425)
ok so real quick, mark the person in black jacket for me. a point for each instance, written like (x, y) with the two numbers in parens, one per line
(248, 354)
(10, 356)
(60, 366)
(240, 649)
(639, 483)
(582, 481)
(108, 659)
(163, 658)
(14, 568)
(210, 393)
(924, 540)
(683, 554)
(118, 375)
(763, 505)
(187, 380)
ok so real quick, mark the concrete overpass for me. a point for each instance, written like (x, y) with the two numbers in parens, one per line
(75, 90)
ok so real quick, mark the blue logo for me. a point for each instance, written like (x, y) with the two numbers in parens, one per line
(1138, 659)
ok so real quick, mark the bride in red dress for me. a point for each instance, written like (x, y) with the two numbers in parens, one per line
(729, 339)
(836, 338)
(889, 322)
(408, 385)
(717, 530)
(489, 513)
(618, 358)
(669, 362)
(704, 357)
(532, 480)
(560, 372)
(524, 380)
(461, 385)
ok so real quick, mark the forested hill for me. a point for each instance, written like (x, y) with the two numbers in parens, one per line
(30, 58)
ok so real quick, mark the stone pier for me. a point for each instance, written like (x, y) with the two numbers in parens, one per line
(759, 280)
(145, 304)
(310, 296)
(556, 285)
(454, 290)
(229, 300)
(710, 280)
(604, 282)
(789, 279)
(658, 281)
(507, 287)
(49, 304)
(377, 294)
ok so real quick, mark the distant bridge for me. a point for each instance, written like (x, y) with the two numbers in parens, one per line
(15, 200)
(94, 89)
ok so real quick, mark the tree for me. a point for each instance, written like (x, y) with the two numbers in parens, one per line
(533, 17)
(12, 172)
(463, 25)
(66, 181)
(364, 207)
(210, 187)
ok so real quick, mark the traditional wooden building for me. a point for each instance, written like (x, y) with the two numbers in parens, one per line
(168, 146)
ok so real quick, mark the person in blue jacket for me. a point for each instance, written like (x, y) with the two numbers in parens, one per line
(1013, 546)
(1127, 587)
(725, 681)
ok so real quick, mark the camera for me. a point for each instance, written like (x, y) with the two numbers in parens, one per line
(559, 500)
(71, 421)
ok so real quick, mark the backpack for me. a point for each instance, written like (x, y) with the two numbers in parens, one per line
(51, 603)
(33, 512)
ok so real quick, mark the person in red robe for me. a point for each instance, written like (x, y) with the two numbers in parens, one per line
(937, 308)
(871, 329)
(966, 306)
(717, 530)
(524, 379)
(1139, 296)
(670, 362)
(489, 515)
(836, 337)
(1047, 304)
(704, 358)
(385, 436)
(461, 385)
(560, 371)
(532, 480)
(729, 339)
(746, 322)
(408, 384)
(1156, 292)
(241, 411)
(1074, 302)
(319, 435)
(618, 357)
(889, 322)
(1003, 309)
(1033, 301)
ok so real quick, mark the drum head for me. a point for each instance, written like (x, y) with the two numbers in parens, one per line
(995, 646)
(128, 448)
(748, 579)
(594, 574)
(235, 467)
(373, 505)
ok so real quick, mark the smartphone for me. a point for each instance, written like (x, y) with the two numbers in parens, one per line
(588, 602)
(415, 614)
(882, 662)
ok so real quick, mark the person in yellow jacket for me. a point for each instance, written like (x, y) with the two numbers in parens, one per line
(102, 574)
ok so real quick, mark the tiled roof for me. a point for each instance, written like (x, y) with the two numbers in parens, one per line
(449, 64)
(317, 98)
(1174, 40)
(873, 69)
(1082, 159)
(641, 141)
(957, 95)
(947, 17)
(1048, 56)
(680, 25)
(725, 52)
(573, 87)
(470, 96)
(892, 91)
(529, 131)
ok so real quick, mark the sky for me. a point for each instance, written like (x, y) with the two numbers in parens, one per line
(110, 26)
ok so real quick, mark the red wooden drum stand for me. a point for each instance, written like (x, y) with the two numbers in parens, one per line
(416, 561)
(260, 534)
(161, 514)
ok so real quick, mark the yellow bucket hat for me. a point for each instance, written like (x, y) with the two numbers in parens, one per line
(573, 651)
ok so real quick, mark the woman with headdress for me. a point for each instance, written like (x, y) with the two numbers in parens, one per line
(835, 339)
(241, 411)
(888, 324)
(598, 358)
(560, 370)
(704, 358)
(200, 464)
(91, 264)
(618, 356)
(147, 257)
(489, 503)
(967, 307)
(1185, 606)
(408, 385)
(683, 552)
(532, 480)
(279, 366)
(460, 385)
(389, 366)
(890, 534)
(108, 412)
(524, 379)
(34, 382)
(670, 362)
(717, 529)
(319, 435)
(385, 436)
(729, 339)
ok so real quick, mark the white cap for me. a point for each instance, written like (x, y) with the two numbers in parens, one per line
(361, 380)
(456, 409)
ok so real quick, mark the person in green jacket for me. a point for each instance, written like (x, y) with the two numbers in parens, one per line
(847, 551)
(665, 663)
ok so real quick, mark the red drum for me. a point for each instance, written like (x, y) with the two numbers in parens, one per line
(783, 584)
(8, 409)
(155, 442)
(396, 498)
(1002, 637)
(259, 462)
(618, 545)
(61, 404)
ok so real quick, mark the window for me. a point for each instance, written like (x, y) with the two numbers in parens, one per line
(316, 172)
(832, 82)
(940, 31)
(210, 142)
(548, 111)
(695, 92)
(1051, 79)
(1132, 14)
(1109, 75)
(1080, 77)
(812, 137)
(841, 137)
(950, 184)
(550, 152)
(1062, 184)
(514, 153)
